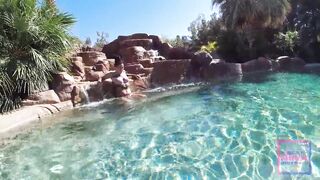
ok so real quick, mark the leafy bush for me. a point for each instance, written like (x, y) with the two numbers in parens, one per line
(287, 42)
(33, 41)
(210, 47)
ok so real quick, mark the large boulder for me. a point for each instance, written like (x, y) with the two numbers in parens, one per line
(199, 60)
(77, 68)
(134, 68)
(132, 54)
(137, 69)
(139, 36)
(169, 71)
(92, 75)
(145, 43)
(179, 53)
(156, 41)
(112, 48)
(139, 84)
(45, 97)
(290, 64)
(258, 65)
(165, 49)
(90, 58)
(103, 66)
(222, 70)
(62, 83)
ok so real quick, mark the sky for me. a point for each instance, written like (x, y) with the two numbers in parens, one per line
(123, 17)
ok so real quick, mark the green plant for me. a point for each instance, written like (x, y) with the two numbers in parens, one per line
(287, 42)
(33, 41)
(210, 47)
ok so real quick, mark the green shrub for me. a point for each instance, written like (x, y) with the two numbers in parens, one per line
(33, 41)
(287, 42)
(210, 47)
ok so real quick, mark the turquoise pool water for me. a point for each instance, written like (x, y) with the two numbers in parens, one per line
(227, 130)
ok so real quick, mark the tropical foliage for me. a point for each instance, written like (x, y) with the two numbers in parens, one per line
(253, 13)
(244, 30)
(210, 47)
(305, 19)
(203, 31)
(33, 41)
(287, 42)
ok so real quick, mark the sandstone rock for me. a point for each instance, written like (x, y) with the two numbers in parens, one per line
(134, 68)
(258, 65)
(139, 36)
(156, 41)
(112, 48)
(145, 43)
(222, 70)
(90, 58)
(132, 54)
(77, 68)
(165, 49)
(169, 71)
(291, 64)
(140, 84)
(199, 60)
(146, 63)
(46, 97)
(62, 83)
(179, 53)
(93, 75)
(64, 93)
(103, 66)
(61, 79)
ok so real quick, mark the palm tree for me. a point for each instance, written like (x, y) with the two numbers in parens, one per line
(250, 16)
(254, 13)
(33, 40)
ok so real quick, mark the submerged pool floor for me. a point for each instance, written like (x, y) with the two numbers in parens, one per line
(229, 130)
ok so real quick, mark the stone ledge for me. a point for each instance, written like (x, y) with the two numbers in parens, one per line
(19, 119)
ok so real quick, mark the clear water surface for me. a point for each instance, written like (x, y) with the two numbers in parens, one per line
(222, 131)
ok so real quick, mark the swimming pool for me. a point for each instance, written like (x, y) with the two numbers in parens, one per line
(226, 130)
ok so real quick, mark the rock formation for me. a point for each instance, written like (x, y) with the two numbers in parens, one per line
(149, 63)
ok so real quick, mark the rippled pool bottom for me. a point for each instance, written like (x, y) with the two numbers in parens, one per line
(220, 131)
